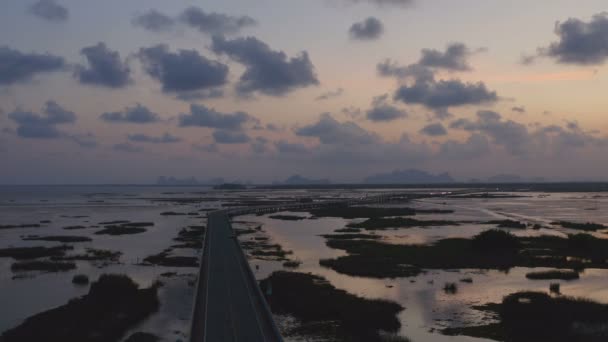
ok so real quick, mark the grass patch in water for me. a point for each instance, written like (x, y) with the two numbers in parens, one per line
(329, 312)
(113, 305)
(553, 274)
(539, 317)
(42, 265)
(21, 253)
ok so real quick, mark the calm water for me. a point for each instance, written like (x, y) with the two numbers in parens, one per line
(428, 308)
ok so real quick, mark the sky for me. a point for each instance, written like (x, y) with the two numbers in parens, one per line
(121, 91)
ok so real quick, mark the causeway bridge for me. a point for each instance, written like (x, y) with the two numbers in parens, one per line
(228, 305)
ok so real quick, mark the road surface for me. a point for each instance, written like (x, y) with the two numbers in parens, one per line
(229, 305)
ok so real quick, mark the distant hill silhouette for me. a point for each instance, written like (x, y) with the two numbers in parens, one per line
(411, 176)
(299, 180)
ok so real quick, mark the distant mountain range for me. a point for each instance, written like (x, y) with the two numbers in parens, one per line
(410, 176)
(299, 180)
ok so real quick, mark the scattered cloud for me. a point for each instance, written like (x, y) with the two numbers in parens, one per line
(330, 131)
(16, 66)
(580, 42)
(154, 21)
(105, 68)
(222, 136)
(42, 126)
(202, 116)
(215, 23)
(163, 139)
(267, 71)
(368, 29)
(330, 94)
(49, 10)
(383, 111)
(445, 93)
(136, 115)
(454, 58)
(285, 147)
(434, 130)
(519, 109)
(185, 72)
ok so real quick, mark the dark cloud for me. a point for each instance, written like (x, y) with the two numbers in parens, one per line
(382, 3)
(383, 111)
(267, 71)
(127, 147)
(221, 136)
(164, 139)
(580, 42)
(419, 84)
(202, 116)
(330, 94)
(16, 66)
(137, 115)
(330, 131)
(434, 130)
(42, 126)
(519, 109)
(154, 21)
(105, 68)
(259, 145)
(214, 23)
(183, 72)
(369, 29)
(454, 58)
(49, 10)
(390, 68)
(445, 93)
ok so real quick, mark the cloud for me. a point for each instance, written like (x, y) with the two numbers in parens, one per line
(475, 146)
(215, 23)
(330, 94)
(42, 126)
(137, 115)
(49, 10)
(369, 29)
(16, 66)
(382, 3)
(183, 72)
(210, 148)
(202, 116)
(580, 42)
(127, 147)
(383, 111)
(164, 139)
(445, 93)
(222, 136)
(285, 147)
(519, 140)
(330, 131)
(519, 109)
(454, 58)
(419, 84)
(434, 130)
(267, 71)
(105, 68)
(154, 21)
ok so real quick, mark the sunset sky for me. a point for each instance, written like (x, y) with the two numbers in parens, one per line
(119, 91)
